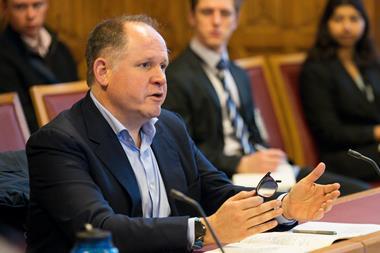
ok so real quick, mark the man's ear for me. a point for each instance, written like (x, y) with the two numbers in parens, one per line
(102, 71)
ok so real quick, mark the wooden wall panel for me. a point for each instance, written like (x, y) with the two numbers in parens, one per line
(74, 19)
(280, 26)
(266, 26)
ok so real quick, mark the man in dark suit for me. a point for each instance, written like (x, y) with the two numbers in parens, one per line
(30, 53)
(112, 159)
(197, 93)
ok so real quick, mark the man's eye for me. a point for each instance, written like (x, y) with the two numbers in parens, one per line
(206, 12)
(145, 65)
(164, 66)
(226, 13)
(38, 5)
(20, 7)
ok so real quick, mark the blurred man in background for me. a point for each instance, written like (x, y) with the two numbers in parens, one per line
(30, 53)
(213, 96)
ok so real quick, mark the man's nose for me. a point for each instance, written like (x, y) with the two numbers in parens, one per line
(216, 17)
(159, 76)
(31, 12)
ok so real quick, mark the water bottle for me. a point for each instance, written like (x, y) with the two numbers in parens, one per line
(93, 240)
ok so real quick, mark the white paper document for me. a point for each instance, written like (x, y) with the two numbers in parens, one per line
(289, 242)
(283, 172)
(343, 230)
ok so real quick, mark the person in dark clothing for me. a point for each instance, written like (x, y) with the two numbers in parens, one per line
(340, 90)
(116, 156)
(30, 53)
(197, 94)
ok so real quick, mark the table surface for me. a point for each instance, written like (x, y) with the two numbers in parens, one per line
(362, 207)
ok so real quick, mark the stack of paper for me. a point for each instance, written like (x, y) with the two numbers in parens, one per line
(276, 242)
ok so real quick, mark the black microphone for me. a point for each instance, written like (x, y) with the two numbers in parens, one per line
(357, 155)
(182, 197)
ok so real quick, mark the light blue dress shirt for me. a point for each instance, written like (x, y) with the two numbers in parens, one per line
(144, 164)
(154, 199)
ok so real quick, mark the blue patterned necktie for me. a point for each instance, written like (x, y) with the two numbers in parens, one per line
(237, 121)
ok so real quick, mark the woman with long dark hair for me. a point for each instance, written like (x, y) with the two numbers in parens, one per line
(340, 89)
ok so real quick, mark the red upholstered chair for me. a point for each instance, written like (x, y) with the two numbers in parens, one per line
(14, 129)
(267, 101)
(50, 100)
(286, 70)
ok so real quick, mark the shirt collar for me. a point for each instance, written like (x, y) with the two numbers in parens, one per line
(209, 57)
(148, 129)
(41, 44)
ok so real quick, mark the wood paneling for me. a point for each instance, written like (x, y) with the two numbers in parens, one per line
(280, 26)
(266, 26)
(74, 19)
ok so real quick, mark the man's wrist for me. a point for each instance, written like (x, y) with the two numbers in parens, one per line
(207, 238)
(199, 233)
(284, 218)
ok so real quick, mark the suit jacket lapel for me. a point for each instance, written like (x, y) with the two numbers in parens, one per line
(111, 153)
(362, 103)
(372, 79)
(240, 87)
(169, 163)
(201, 78)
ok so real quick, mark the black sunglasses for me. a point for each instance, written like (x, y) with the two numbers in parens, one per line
(267, 186)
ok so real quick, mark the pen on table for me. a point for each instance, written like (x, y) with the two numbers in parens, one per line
(316, 232)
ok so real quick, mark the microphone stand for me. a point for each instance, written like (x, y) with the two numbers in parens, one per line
(357, 155)
(182, 197)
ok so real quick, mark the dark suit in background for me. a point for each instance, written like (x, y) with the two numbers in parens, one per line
(192, 95)
(18, 74)
(78, 157)
(340, 116)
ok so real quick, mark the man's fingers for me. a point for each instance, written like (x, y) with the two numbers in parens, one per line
(265, 207)
(275, 152)
(319, 214)
(273, 155)
(243, 195)
(250, 202)
(332, 195)
(264, 217)
(263, 212)
(331, 187)
(263, 227)
(315, 174)
(328, 205)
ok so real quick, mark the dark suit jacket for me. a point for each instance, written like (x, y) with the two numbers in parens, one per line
(79, 173)
(338, 113)
(18, 74)
(192, 95)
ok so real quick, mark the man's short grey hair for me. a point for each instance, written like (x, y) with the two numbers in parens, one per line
(110, 36)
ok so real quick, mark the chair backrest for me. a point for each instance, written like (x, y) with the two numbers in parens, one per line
(267, 101)
(50, 100)
(286, 70)
(14, 129)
